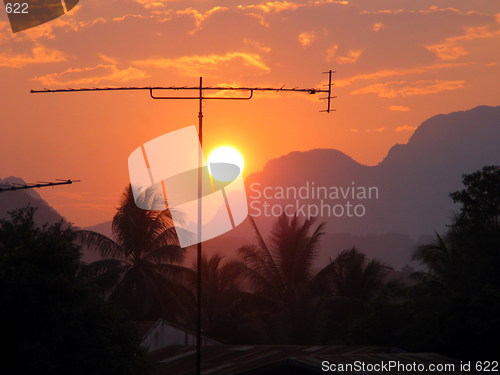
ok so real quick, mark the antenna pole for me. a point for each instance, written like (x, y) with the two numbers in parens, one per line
(200, 88)
(198, 245)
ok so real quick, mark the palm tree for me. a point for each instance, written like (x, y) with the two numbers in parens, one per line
(221, 288)
(447, 260)
(280, 274)
(352, 275)
(349, 284)
(141, 266)
(224, 301)
(304, 305)
(277, 270)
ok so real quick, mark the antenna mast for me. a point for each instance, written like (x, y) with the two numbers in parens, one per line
(200, 97)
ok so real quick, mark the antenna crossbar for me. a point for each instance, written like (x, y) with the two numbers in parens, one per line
(201, 89)
(30, 185)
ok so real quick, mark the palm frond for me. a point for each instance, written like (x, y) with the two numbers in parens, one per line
(268, 258)
(99, 243)
(162, 225)
(165, 253)
(174, 273)
(105, 273)
(351, 275)
(268, 261)
(439, 259)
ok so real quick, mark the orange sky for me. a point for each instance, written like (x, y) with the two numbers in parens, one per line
(398, 62)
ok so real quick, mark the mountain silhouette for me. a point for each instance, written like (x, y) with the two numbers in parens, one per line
(413, 182)
(12, 200)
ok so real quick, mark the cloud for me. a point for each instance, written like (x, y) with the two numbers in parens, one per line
(39, 55)
(266, 7)
(260, 17)
(261, 11)
(447, 51)
(49, 30)
(272, 6)
(130, 16)
(330, 52)
(107, 59)
(148, 4)
(398, 72)
(378, 26)
(404, 88)
(166, 15)
(351, 57)
(238, 93)
(398, 108)
(478, 32)
(91, 75)
(200, 17)
(430, 10)
(280, 6)
(405, 128)
(193, 65)
(370, 130)
(5, 31)
(450, 49)
(257, 45)
(306, 38)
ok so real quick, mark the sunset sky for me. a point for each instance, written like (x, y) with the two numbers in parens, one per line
(398, 63)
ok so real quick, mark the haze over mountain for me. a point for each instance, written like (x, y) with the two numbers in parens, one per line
(412, 186)
(412, 182)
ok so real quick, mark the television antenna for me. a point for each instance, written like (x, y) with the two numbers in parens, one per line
(38, 184)
(201, 97)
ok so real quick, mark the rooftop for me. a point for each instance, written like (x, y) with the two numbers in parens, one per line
(271, 359)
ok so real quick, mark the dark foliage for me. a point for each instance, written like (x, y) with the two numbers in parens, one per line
(272, 295)
(53, 321)
(140, 269)
(302, 305)
(457, 304)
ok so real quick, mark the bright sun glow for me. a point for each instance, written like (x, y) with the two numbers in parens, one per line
(225, 155)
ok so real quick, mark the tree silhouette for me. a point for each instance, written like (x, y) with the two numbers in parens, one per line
(56, 323)
(458, 300)
(280, 275)
(352, 275)
(277, 270)
(141, 269)
(480, 200)
(225, 303)
(471, 245)
(303, 305)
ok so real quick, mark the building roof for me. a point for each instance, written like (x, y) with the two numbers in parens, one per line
(264, 359)
(313, 364)
(157, 334)
(143, 327)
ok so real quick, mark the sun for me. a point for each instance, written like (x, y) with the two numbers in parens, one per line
(225, 163)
